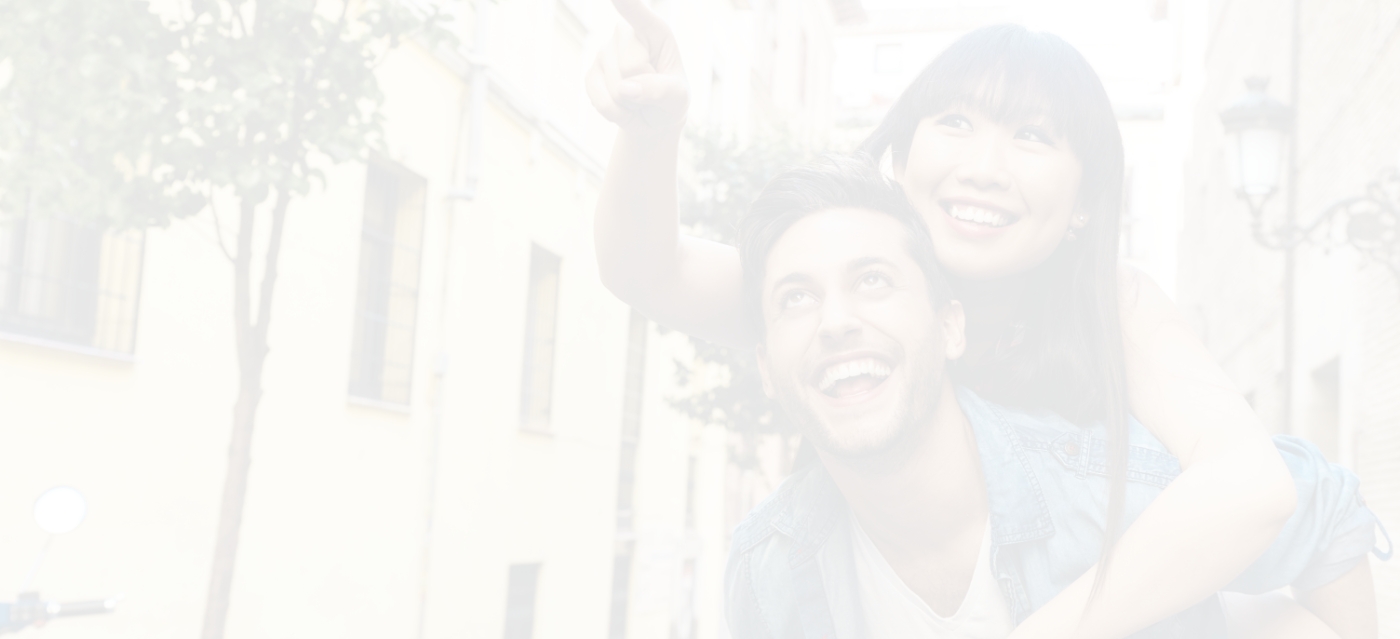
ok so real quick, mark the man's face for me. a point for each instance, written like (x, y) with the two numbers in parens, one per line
(854, 349)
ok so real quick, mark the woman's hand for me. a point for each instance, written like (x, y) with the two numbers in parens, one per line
(686, 283)
(638, 81)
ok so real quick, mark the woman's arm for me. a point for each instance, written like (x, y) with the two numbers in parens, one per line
(1272, 616)
(1347, 605)
(1233, 496)
(683, 282)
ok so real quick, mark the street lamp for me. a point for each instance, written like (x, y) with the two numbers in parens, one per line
(1256, 130)
(1256, 135)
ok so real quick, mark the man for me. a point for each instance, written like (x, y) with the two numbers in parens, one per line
(931, 512)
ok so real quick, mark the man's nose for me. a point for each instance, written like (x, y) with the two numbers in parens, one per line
(839, 320)
(983, 164)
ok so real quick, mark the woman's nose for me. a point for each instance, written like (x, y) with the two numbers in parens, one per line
(983, 164)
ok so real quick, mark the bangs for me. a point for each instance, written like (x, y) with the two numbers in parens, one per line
(1009, 96)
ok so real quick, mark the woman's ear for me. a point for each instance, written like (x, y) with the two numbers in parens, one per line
(954, 333)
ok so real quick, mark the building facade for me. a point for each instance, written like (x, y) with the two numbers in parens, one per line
(462, 432)
(1313, 344)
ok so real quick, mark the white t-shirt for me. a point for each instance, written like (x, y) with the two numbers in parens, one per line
(889, 608)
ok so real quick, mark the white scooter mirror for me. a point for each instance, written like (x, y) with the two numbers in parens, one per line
(60, 509)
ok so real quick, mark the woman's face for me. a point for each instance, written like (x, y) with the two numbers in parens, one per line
(998, 197)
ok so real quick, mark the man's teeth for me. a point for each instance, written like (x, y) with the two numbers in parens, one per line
(978, 215)
(854, 368)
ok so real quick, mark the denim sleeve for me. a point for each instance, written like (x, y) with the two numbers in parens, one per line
(1330, 532)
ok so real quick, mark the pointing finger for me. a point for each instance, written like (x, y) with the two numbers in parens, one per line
(649, 27)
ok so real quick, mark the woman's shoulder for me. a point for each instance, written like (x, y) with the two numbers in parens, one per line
(1144, 308)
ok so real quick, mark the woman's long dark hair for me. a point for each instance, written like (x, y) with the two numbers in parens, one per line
(1062, 348)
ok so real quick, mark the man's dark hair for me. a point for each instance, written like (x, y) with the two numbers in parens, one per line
(831, 182)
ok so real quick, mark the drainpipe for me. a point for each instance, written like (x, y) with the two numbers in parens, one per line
(465, 191)
(1290, 258)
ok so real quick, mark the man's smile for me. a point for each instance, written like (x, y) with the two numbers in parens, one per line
(852, 377)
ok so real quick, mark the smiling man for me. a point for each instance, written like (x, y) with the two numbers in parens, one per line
(931, 512)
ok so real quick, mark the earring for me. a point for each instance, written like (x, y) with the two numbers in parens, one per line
(1070, 236)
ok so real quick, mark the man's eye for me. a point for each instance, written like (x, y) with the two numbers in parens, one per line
(795, 299)
(955, 121)
(871, 281)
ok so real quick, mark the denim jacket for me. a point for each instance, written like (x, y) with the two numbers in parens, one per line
(1046, 481)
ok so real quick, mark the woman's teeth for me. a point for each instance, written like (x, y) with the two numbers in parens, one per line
(878, 371)
(978, 215)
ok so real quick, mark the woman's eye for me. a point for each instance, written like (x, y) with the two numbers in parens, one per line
(871, 281)
(795, 299)
(955, 121)
(1035, 134)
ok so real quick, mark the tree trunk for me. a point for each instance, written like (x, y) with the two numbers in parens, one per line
(250, 337)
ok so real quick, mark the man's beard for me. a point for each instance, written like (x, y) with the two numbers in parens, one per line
(909, 421)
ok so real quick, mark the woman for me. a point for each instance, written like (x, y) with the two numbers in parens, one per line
(1008, 146)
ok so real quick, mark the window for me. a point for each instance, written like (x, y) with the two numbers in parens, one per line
(1322, 422)
(540, 316)
(621, 589)
(68, 281)
(690, 470)
(386, 307)
(626, 471)
(520, 601)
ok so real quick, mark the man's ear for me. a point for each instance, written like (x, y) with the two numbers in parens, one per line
(762, 354)
(954, 333)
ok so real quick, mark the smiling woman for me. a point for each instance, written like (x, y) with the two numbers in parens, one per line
(1008, 146)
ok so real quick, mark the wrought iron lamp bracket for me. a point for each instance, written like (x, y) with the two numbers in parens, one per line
(1370, 223)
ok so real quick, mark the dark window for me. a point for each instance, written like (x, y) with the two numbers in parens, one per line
(621, 588)
(541, 313)
(520, 600)
(690, 470)
(68, 281)
(386, 307)
(626, 471)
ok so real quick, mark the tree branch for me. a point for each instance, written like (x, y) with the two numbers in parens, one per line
(219, 231)
(242, 282)
(269, 277)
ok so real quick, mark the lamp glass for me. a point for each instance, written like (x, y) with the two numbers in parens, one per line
(1261, 154)
(59, 510)
(1254, 157)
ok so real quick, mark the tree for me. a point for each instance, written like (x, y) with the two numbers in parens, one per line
(724, 174)
(134, 119)
(87, 98)
(274, 90)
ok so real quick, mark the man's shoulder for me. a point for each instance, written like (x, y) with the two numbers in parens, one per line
(1059, 448)
(986, 415)
(803, 495)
